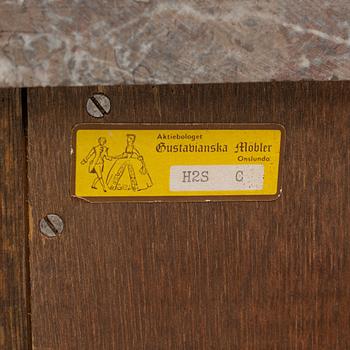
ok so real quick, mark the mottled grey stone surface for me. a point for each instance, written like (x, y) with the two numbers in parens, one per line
(87, 42)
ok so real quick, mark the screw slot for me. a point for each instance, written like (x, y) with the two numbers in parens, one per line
(98, 105)
(51, 225)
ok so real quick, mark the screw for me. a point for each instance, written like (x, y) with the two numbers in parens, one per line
(51, 225)
(98, 105)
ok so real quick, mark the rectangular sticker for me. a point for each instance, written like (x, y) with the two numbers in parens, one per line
(118, 162)
(213, 178)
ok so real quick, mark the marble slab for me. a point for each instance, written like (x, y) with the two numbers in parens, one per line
(88, 42)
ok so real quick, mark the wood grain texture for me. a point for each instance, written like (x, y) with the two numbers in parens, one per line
(250, 275)
(14, 303)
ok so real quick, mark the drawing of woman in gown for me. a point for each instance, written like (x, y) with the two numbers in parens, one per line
(129, 171)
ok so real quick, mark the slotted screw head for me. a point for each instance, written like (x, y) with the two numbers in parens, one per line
(98, 105)
(51, 225)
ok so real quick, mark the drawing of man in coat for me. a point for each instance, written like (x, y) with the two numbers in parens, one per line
(98, 155)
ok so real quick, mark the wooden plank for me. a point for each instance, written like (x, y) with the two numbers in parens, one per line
(14, 303)
(252, 275)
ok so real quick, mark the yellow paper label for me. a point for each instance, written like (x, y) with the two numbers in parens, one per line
(116, 162)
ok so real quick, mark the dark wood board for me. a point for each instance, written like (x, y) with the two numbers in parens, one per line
(14, 274)
(233, 275)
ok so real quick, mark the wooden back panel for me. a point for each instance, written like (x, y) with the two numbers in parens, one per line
(234, 275)
(14, 278)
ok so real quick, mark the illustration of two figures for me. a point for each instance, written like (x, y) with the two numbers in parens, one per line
(128, 172)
